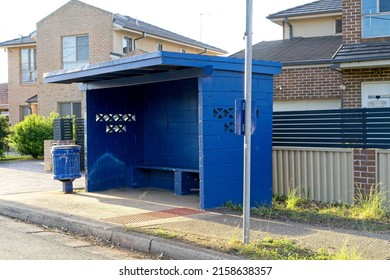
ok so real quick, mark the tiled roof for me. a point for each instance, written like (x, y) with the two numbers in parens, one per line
(297, 51)
(130, 23)
(135, 24)
(25, 40)
(363, 52)
(3, 95)
(317, 7)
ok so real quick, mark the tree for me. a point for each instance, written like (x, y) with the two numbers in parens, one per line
(27, 137)
(4, 132)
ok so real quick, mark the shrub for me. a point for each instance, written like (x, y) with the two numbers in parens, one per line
(28, 136)
(4, 132)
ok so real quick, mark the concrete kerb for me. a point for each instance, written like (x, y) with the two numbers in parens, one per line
(137, 241)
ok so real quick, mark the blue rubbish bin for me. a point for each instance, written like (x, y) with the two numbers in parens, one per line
(66, 165)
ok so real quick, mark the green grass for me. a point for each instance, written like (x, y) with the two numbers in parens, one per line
(14, 158)
(346, 253)
(159, 232)
(368, 212)
(165, 234)
(285, 249)
(265, 249)
(294, 198)
(371, 206)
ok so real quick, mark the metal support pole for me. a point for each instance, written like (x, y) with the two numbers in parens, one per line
(248, 123)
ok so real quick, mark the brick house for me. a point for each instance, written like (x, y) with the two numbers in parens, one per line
(335, 54)
(75, 35)
(3, 99)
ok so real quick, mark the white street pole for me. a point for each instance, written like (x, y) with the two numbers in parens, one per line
(248, 122)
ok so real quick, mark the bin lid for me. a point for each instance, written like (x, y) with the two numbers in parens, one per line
(65, 147)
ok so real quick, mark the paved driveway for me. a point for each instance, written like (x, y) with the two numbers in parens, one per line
(28, 176)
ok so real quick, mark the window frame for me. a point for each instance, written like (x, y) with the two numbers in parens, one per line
(31, 69)
(71, 104)
(338, 26)
(24, 111)
(160, 47)
(129, 44)
(375, 14)
(76, 51)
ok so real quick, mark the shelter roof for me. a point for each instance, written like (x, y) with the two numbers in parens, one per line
(160, 65)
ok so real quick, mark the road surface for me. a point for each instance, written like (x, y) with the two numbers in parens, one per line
(24, 241)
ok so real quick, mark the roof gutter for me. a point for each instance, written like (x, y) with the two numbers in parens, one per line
(351, 64)
(142, 37)
(5, 46)
(168, 40)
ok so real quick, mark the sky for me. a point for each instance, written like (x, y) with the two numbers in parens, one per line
(220, 23)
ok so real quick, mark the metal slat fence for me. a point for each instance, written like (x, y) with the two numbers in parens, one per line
(344, 128)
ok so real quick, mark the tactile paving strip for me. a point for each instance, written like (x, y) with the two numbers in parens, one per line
(150, 216)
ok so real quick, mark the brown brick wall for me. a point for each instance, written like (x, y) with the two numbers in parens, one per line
(74, 18)
(351, 21)
(353, 79)
(307, 83)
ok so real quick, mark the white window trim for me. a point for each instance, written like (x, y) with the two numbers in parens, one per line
(366, 97)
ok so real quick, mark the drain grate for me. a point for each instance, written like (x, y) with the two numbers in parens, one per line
(151, 216)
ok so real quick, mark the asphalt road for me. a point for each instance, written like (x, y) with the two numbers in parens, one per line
(23, 241)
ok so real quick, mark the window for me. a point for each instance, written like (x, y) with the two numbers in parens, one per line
(339, 26)
(75, 51)
(24, 111)
(159, 47)
(68, 109)
(127, 44)
(375, 94)
(375, 18)
(384, 6)
(29, 65)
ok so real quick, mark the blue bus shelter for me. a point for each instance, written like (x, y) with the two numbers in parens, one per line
(167, 120)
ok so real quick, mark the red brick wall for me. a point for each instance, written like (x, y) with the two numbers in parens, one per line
(307, 83)
(351, 21)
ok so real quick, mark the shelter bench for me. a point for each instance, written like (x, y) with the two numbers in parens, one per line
(185, 181)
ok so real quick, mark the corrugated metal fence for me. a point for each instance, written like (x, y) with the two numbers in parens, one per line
(321, 174)
(383, 171)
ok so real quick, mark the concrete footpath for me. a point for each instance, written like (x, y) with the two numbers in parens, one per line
(27, 192)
